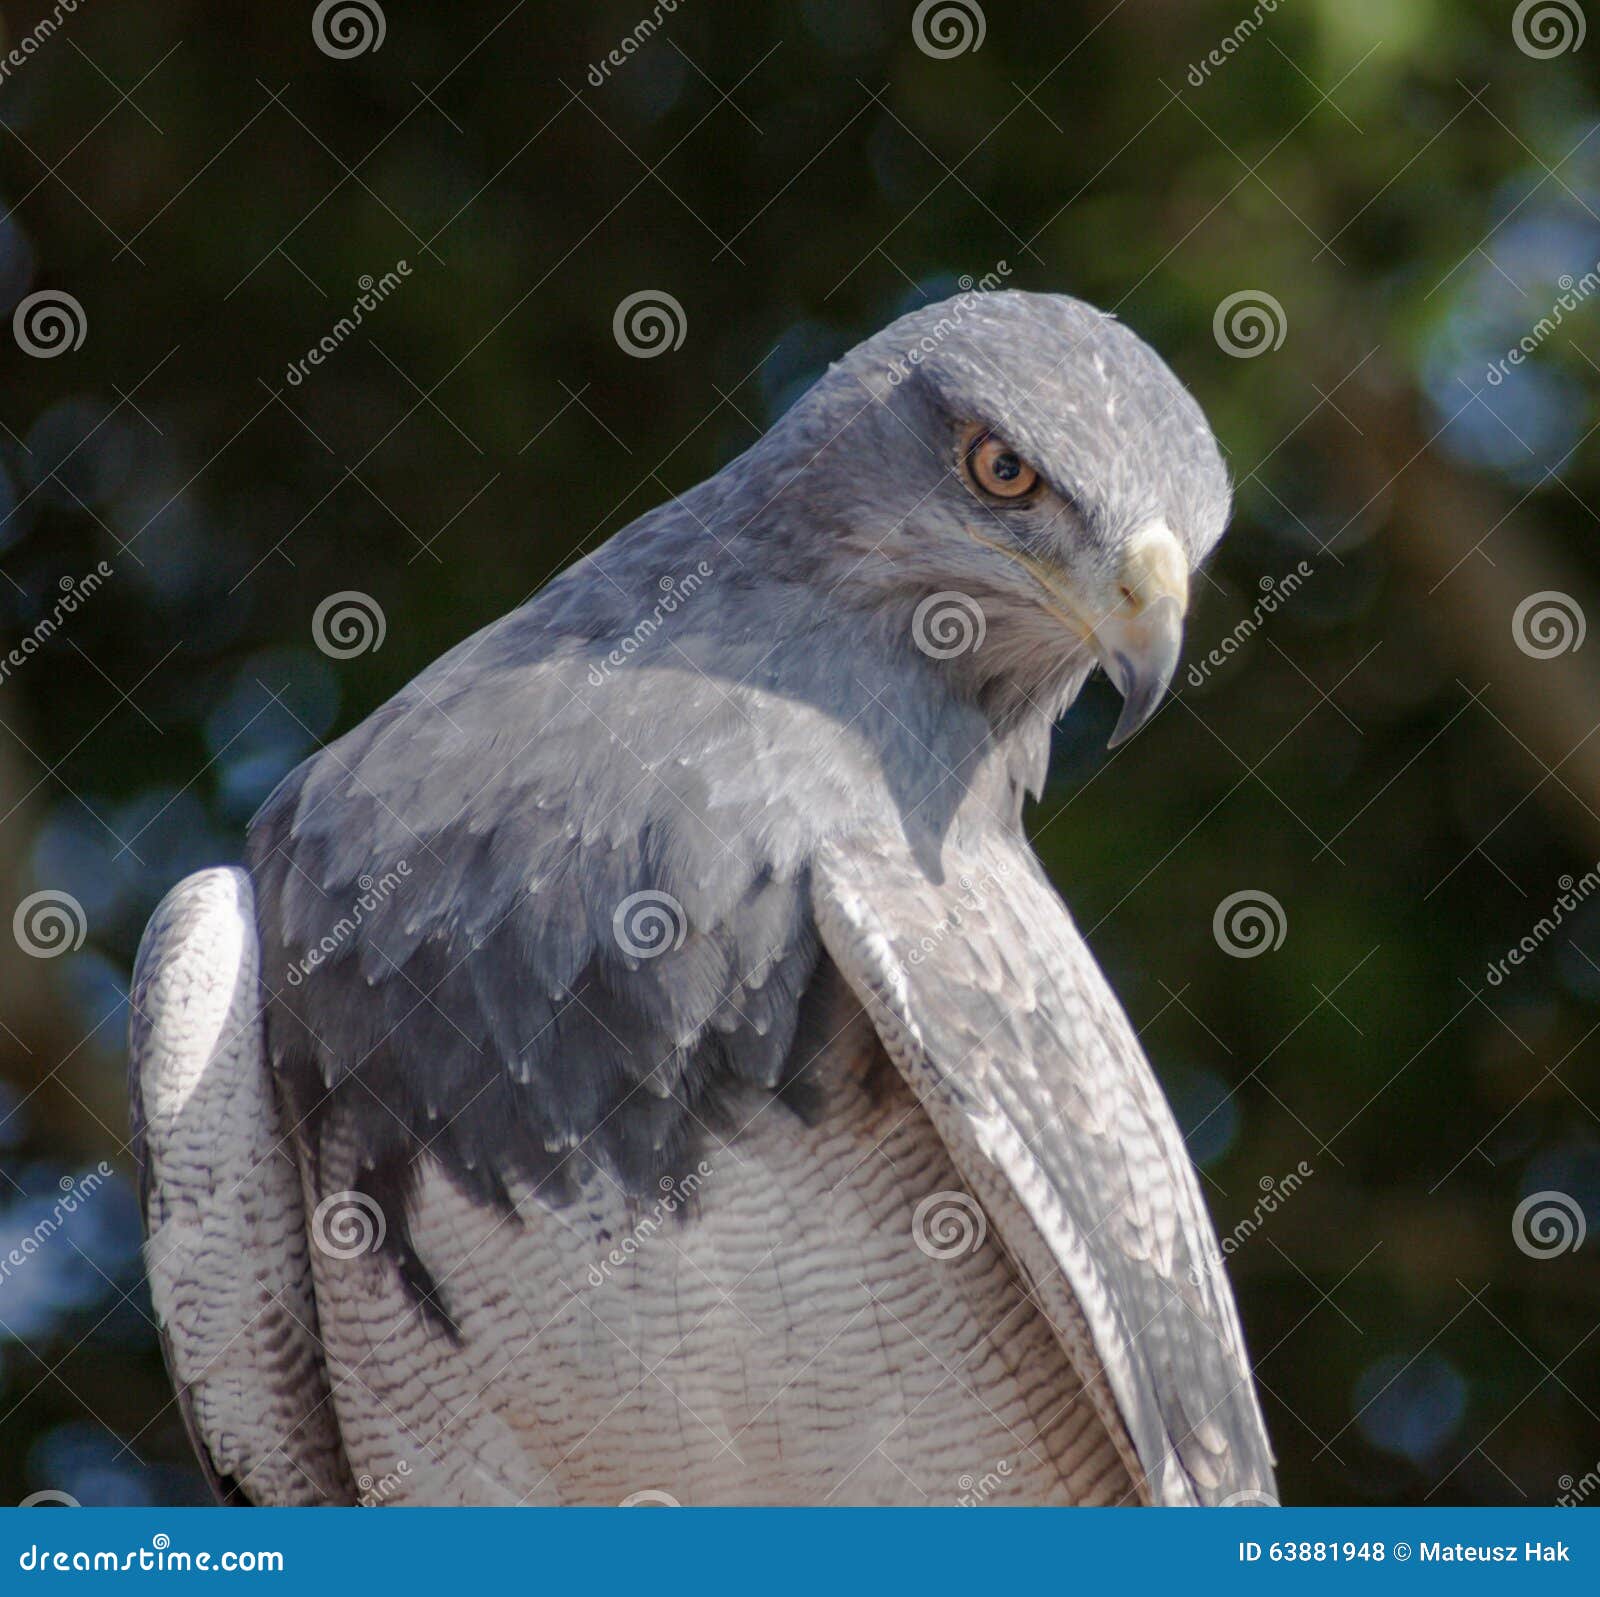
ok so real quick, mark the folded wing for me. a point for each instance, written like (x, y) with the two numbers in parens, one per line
(992, 1007)
(225, 1235)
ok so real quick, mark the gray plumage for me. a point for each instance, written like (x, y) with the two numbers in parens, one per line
(585, 896)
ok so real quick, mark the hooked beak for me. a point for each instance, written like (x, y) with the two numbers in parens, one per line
(1138, 642)
(1139, 639)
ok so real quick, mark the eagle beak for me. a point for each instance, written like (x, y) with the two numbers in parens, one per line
(1138, 643)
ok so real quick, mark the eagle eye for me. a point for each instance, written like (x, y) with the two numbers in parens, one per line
(996, 469)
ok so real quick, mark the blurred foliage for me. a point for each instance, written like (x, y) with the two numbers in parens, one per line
(1413, 189)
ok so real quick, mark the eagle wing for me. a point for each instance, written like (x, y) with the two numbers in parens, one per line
(226, 1242)
(992, 1007)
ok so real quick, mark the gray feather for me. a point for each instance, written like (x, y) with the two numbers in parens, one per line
(724, 695)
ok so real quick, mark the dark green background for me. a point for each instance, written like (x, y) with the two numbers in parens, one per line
(1403, 180)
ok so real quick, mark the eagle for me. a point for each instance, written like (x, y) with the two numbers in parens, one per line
(645, 1059)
